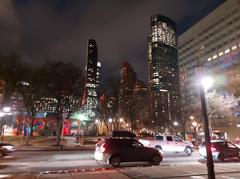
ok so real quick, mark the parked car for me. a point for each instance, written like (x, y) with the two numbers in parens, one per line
(7, 147)
(220, 150)
(168, 144)
(115, 150)
(236, 142)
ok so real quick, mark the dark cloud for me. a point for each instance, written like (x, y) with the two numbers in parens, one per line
(59, 29)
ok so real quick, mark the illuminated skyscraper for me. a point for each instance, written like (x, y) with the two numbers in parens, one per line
(91, 80)
(127, 82)
(163, 74)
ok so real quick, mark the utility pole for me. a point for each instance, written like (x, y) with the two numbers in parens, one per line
(210, 165)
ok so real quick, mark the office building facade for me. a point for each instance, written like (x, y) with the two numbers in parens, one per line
(214, 43)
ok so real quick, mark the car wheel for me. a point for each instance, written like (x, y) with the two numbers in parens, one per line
(221, 157)
(115, 160)
(1, 153)
(156, 159)
(158, 147)
(188, 151)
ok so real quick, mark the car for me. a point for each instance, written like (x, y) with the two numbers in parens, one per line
(221, 149)
(7, 147)
(169, 144)
(115, 150)
(236, 142)
(2, 152)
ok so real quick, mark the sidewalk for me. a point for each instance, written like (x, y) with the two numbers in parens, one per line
(47, 144)
(55, 148)
(154, 172)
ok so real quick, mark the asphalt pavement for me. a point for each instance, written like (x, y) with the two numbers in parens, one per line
(154, 172)
(80, 164)
(37, 161)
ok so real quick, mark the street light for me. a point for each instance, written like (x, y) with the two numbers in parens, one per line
(175, 123)
(194, 124)
(206, 83)
(121, 119)
(191, 117)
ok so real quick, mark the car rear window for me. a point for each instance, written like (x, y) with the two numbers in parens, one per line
(100, 142)
(119, 143)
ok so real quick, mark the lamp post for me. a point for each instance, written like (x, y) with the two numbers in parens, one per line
(206, 83)
(5, 111)
(110, 120)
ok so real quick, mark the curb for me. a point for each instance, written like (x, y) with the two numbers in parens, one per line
(28, 150)
(75, 170)
(199, 174)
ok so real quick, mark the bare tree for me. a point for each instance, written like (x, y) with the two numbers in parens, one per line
(30, 90)
(10, 73)
(64, 83)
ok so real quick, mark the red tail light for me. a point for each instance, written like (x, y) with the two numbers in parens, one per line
(213, 149)
(102, 148)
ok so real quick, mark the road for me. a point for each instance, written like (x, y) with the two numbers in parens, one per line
(37, 161)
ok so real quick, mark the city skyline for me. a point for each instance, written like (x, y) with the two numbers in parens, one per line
(62, 31)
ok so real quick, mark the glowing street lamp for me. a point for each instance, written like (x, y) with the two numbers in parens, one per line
(194, 124)
(206, 83)
(110, 120)
(121, 119)
(191, 117)
(175, 123)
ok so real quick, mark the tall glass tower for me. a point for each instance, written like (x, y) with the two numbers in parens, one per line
(92, 78)
(163, 74)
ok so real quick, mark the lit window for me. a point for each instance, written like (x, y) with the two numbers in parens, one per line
(234, 47)
(227, 51)
(209, 59)
(220, 54)
(214, 56)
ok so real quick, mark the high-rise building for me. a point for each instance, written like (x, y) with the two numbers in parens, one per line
(127, 82)
(92, 79)
(213, 42)
(140, 89)
(163, 73)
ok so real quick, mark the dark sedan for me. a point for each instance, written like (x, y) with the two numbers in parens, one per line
(117, 150)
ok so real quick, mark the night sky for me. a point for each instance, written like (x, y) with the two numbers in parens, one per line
(53, 30)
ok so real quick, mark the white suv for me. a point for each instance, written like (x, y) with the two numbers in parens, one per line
(169, 143)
